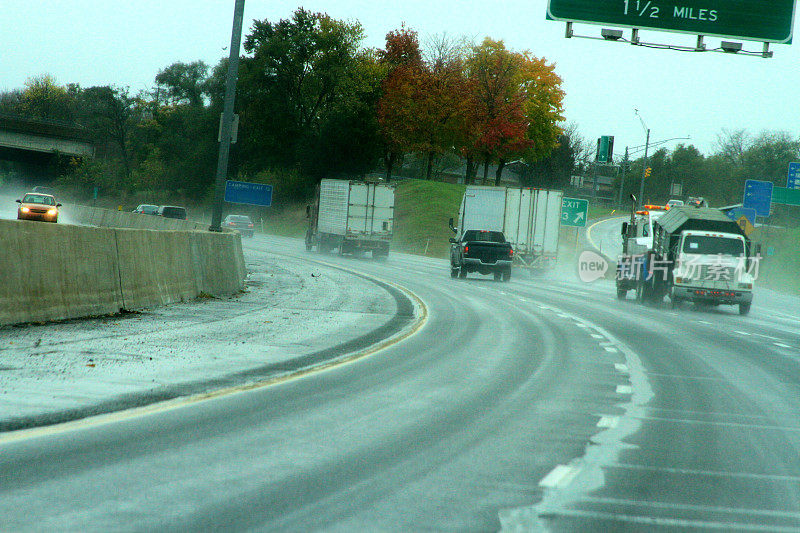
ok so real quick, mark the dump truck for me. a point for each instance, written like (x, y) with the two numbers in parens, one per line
(698, 255)
(352, 217)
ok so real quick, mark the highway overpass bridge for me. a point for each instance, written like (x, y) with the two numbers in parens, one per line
(37, 141)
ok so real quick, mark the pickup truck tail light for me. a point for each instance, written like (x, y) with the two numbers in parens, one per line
(466, 249)
(510, 252)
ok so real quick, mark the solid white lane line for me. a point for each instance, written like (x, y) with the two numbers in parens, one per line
(624, 389)
(608, 422)
(712, 473)
(560, 476)
(678, 376)
(693, 507)
(653, 521)
(621, 368)
(792, 429)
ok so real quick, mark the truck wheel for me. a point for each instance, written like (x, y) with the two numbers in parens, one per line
(744, 309)
(507, 275)
(453, 272)
(621, 293)
(462, 273)
(498, 275)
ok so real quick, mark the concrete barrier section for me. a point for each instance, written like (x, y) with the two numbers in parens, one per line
(59, 271)
(53, 272)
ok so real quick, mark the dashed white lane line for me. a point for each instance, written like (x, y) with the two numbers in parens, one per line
(608, 422)
(610, 349)
(621, 368)
(741, 332)
(624, 389)
(597, 336)
(560, 476)
(781, 345)
(705, 322)
(581, 325)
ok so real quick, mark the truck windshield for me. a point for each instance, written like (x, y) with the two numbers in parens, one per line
(699, 244)
(484, 236)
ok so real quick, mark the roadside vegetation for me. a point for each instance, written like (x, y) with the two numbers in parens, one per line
(780, 266)
(422, 210)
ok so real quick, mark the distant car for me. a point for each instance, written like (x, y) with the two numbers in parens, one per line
(44, 190)
(674, 203)
(37, 206)
(240, 223)
(172, 211)
(698, 201)
(146, 209)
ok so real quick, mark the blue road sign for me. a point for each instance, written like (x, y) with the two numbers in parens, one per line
(243, 192)
(737, 212)
(793, 177)
(758, 196)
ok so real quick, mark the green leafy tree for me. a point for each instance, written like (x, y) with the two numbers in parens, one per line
(44, 99)
(184, 83)
(291, 80)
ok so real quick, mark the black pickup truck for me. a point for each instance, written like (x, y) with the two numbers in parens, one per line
(485, 252)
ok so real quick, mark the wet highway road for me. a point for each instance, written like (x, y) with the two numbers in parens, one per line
(539, 403)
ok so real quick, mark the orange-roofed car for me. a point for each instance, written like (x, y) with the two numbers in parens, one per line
(37, 206)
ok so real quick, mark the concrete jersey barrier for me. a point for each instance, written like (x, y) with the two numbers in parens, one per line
(59, 271)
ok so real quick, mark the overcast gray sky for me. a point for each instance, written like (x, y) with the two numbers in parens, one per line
(94, 42)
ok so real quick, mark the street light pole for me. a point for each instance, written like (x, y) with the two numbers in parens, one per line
(644, 169)
(227, 116)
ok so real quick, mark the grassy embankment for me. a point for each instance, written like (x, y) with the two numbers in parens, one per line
(780, 271)
(422, 209)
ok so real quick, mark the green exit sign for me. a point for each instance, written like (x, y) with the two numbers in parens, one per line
(756, 20)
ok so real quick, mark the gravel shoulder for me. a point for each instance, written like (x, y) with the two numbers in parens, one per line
(293, 315)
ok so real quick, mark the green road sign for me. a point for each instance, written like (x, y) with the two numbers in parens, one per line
(573, 211)
(782, 195)
(758, 21)
(605, 149)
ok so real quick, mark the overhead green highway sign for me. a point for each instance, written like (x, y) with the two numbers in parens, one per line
(766, 21)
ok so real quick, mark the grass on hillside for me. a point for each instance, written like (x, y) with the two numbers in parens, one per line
(780, 271)
(422, 209)
(289, 221)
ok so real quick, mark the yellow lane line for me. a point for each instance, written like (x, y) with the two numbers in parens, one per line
(176, 403)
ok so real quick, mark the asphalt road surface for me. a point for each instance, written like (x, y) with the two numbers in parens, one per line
(539, 403)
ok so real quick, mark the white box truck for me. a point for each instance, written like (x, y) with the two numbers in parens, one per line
(353, 217)
(529, 219)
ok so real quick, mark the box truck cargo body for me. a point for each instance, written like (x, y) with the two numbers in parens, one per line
(529, 218)
(353, 217)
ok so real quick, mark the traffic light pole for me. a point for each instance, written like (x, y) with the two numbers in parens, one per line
(227, 116)
(644, 170)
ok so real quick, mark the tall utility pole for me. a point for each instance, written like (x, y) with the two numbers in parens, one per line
(644, 170)
(624, 168)
(227, 116)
